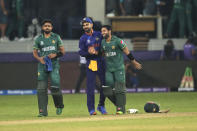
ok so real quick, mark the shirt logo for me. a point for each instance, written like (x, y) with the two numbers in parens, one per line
(53, 41)
(97, 38)
(113, 47)
(49, 48)
(88, 41)
(41, 43)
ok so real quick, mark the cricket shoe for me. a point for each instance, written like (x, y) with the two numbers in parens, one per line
(102, 110)
(42, 114)
(59, 111)
(92, 112)
(119, 113)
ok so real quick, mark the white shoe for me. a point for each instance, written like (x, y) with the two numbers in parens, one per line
(4, 39)
(21, 39)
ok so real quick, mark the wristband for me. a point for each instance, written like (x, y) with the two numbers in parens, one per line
(130, 56)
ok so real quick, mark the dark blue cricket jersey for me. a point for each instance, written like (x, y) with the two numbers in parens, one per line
(87, 41)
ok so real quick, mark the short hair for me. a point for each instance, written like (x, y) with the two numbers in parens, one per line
(46, 21)
(108, 27)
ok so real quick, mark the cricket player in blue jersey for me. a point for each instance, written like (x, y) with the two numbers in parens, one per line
(89, 45)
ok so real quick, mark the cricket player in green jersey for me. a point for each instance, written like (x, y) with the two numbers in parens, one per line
(178, 13)
(47, 49)
(113, 49)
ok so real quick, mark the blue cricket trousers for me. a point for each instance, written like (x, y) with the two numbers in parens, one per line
(91, 83)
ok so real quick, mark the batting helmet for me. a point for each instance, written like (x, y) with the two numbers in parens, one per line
(151, 107)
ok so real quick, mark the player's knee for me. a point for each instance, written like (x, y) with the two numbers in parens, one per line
(55, 83)
(42, 85)
(107, 91)
(55, 91)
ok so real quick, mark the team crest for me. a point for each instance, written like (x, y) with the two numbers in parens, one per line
(97, 38)
(38, 73)
(41, 43)
(53, 41)
(113, 47)
(88, 41)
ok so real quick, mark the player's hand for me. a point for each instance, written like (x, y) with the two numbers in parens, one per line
(136, 64)
(41, 59)
(52, 55)
(92, 50)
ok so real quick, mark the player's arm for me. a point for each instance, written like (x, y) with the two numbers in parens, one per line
(36, 47)
(92, 50)
(193, 51)
(35, 54)
(83, 51)
(136, 64)
(2, 4)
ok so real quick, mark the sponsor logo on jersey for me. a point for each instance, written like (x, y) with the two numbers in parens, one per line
(49, 48)
(110, 54)
(53, 41)
(97, 38)
(41, 43)
(88, 41)
(113, 47)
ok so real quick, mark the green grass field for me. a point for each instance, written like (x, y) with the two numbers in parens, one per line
(19, 113)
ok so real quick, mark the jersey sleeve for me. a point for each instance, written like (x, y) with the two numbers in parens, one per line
(83, 51)
(36, 44)
(121, 44)
(59, 41)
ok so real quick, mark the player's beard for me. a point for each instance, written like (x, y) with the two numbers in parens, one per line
(47, 31)
(88, 30)
(106, 36)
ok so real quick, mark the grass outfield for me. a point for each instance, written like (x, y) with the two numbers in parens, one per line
(18, 113)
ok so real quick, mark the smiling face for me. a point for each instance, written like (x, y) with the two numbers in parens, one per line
(87, 27)
(47, 27)
(105, 33)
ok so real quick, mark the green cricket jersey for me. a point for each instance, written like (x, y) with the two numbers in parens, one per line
(48, 45)
(113, 53)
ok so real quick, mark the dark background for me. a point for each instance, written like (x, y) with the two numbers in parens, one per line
(21, 75)
(65, 14)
